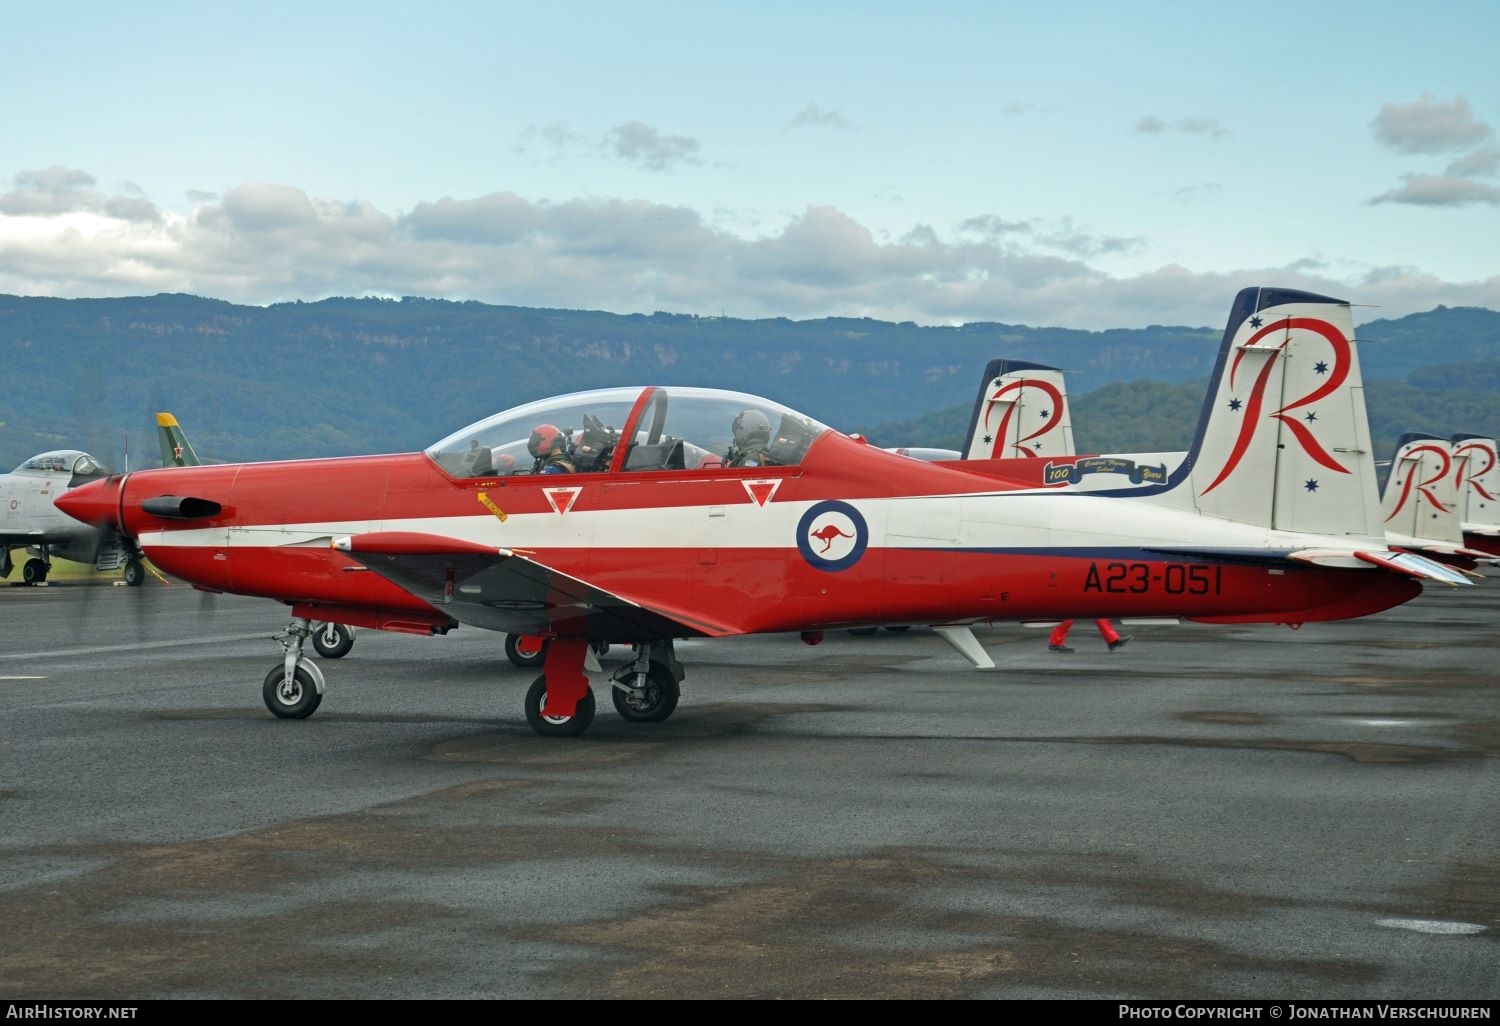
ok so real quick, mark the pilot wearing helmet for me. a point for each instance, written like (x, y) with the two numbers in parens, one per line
(550, 450)
(752, 437)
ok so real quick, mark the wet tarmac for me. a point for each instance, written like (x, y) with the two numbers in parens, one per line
(1212, 811)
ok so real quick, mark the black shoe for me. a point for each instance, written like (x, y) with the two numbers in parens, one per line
(1059, 648)
(1120, 642)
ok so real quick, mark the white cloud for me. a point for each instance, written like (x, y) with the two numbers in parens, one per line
(1153, 125)
(994, 228)
(639, 143)
(818, 117)
(1429, 125)
(60, 190)
(1484, 163)
(1069, 238)
(555, 137)
(1439, 191)
(264, 242)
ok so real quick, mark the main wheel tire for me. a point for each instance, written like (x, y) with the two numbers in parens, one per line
(34, 572)
(660, 701)
(862, 631)
(294, 701)
(135, 574)
(557, 726)
(525, 650)
(333, 640)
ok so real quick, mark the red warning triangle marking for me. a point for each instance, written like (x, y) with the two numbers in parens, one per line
(761, 491)
(562, 499)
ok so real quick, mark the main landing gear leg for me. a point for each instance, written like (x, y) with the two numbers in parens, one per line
(293, 689)
(559, 703)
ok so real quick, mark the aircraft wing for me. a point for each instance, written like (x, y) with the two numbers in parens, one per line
(504, 590)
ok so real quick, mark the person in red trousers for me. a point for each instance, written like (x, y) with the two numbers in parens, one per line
(1058, 642)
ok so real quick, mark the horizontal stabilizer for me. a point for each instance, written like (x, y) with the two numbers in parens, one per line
(1413, 565)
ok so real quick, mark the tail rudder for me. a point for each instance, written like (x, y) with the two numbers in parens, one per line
(176, 451)
(1420, 500)
(1283, 440)
(1022, 411)
(1477, 479)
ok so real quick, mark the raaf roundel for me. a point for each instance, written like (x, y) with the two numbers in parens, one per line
(666, 537)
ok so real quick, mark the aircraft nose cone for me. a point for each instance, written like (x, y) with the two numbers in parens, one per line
(96, 503)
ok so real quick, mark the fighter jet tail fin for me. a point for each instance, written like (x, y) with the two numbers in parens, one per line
(176, 450)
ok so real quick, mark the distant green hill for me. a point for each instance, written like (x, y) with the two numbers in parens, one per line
(370, 375)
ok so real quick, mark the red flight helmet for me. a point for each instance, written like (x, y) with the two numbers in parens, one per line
(545, 440)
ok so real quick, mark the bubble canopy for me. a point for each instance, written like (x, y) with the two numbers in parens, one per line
(72, 462)
(614, 430)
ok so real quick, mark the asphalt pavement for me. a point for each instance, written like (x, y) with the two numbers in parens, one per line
(1212, 811)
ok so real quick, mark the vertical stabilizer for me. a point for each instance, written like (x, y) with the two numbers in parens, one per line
(1477, 478)
(1420, 501)
(175, 448)
(1283, 440)
(1021, 412)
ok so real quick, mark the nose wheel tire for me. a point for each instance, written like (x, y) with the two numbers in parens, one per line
(659, 698)
(557, 726)
(291, 700)
(333, 640)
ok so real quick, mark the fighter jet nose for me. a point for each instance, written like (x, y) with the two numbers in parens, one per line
(96, 503)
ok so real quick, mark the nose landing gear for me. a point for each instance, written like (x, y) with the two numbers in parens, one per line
(293, 690)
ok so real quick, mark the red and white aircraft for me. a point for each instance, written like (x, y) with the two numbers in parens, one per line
(1272, 517)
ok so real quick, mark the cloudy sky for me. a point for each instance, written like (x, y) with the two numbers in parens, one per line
(1082, 164)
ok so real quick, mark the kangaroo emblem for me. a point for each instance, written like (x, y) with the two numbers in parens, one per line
(826, 535)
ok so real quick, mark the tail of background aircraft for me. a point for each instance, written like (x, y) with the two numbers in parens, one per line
(176, 451)
(1421, 493)
(1022, 411)
(1477, 480)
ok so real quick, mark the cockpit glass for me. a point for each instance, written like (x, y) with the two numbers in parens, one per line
(61, 461)
(677, 429)
(501, 445)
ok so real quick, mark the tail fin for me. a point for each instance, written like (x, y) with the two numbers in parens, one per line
(1421, 493)
(1022, 411)
(1477, 478)
(176, 451)
(1283, 441)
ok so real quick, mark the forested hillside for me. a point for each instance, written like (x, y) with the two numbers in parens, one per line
(370, 375)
